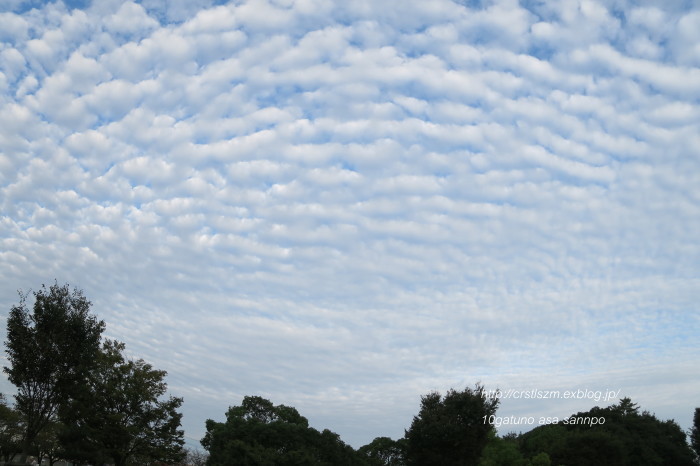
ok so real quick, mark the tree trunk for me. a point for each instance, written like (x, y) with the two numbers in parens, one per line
(26, 445)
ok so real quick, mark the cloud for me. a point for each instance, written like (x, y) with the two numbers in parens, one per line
(130, 19)
(332, 205)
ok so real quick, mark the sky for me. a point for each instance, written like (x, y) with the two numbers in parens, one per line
(342, 206)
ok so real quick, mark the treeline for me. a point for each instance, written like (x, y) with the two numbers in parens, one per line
(80, 399)
(453, 429)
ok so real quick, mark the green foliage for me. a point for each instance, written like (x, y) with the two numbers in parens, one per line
(383, 451)
(50, 351)
(120, 416)
(695, 434)
(47, 444)
(451, 430)
(260, 433)
(502, 452)
(11, 430)
(626, 437)
(582, 448)
(77, 400)
(547, 438)
(541, 459)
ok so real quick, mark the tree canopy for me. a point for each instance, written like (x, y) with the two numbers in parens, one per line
(11, 430)
(257, 432)
(79, 398)
(384, 451)
(453, 429)
(626, 437)
(50, 351)
(120, 415)
(695, 434)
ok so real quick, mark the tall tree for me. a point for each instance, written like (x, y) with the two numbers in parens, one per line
(50, 350)
(453, 429)
(121, 416)
(695, 434)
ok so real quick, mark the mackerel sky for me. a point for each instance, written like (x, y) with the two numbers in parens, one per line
(343, 205)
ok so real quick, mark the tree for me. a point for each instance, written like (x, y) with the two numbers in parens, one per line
(11, 431)
(260, 433)
(194, 457)
(622, 435)
(502, 452)
(593, 446)
(47, 444)
(120, 417)
(453, 429)
(50, 352)
(645, 439)
(695, 434)
(546, 439)
(383, 451)
(541, 459)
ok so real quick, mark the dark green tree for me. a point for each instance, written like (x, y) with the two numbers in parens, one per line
(383, 451)
(502, 452)
(50, 350)
(453, 429)
(121, 416)
(541, 459)
(11, 431)
(646, 440)
(260, 433)
(593, 446)
(47, 445)
(695, 434)
(543, 439)
(622, 436)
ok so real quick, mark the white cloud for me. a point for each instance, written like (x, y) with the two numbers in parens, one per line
(340, 203)
(14, 27)
(130, 19)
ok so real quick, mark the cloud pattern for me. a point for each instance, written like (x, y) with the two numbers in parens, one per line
(344, 206)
